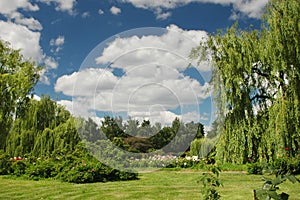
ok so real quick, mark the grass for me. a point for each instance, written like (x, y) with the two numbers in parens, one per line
(156, 185)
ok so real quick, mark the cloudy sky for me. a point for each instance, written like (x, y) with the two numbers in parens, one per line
(123, 57)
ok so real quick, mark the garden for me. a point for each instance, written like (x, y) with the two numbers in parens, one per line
(251, 152)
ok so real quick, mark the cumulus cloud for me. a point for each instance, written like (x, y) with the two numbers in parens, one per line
(28, 42)
(20, 37)
(59, 41)
(7, 7)
(162, 15)
(153, 81)
(10, 9)
(250, 8)
(100, 12)
(170, 49)
(115, 10)
(57, 44)
(50, 62)
(31, 23)
(62, 5)
(86, 82)
(85, 15)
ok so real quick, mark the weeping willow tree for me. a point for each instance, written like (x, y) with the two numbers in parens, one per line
(256, 77)
(44, 128)
(17, 79)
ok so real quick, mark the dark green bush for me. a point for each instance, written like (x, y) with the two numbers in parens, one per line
(255, 168)
(42, 169)
(18, 167)
(286, 166)
(5, 163)
(74, 168)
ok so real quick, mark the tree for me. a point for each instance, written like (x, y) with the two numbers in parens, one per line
(17, 79)
(256, 79)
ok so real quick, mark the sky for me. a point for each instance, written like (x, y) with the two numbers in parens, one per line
(126, 58)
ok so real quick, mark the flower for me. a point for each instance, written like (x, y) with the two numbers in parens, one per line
(286, 148)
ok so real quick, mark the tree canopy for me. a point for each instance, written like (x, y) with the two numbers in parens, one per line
(256, 77)
(17, 79)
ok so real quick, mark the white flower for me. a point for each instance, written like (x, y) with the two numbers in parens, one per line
(188, 158)
(195, 158)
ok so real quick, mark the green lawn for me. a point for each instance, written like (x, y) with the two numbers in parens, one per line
(156, 185)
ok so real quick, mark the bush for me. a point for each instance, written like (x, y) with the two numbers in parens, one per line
(18, 167)
(70, 168)
(286, 166)
(255, 168)
(5, 164)
(42, 169)
(93, 172)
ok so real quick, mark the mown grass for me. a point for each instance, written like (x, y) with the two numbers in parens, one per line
(155, 185)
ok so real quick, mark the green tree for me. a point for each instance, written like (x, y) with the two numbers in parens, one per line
(256, 79)
(17, 79)
(111, 129)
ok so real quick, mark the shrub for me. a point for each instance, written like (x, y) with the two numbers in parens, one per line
(72, 168)
(286, 165)
(18, 167)
(5, 163)
(255, 168)
(42, 169)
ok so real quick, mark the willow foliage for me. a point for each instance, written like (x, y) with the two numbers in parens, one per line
(256, 77)
(17, 79)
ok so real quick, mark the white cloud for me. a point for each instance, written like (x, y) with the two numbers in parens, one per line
(85, 15)
(100, 12)
(60, 40)
(31, 23)
(57, 43)
(8, 7)
(250, 8)
(153, 82)
(171, 49)
(87, 82)
(28, 42)
(50, 62)
(162, 15)
(115, 10)
(62, 5)
(20, 37)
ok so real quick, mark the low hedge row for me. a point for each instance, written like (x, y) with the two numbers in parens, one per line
(67, 168)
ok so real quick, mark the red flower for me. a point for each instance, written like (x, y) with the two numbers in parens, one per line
(286, 148)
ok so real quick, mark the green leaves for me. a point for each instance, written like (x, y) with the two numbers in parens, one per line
(17, 79)
(211, 182)
(270, 187)
(256, 79)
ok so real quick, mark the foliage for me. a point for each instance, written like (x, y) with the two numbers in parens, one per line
(270, 187)
(255, 168)
(211, 182)
(76, 168)
(17, 79)
(279, 166)
(256, 79)
(5, 163)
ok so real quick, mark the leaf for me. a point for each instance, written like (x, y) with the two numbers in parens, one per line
(274, 195)
(278, 180)
(292, 178)
(268, 180)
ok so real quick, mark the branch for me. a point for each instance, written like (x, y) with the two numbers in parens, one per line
(259, 72)
(260, 96)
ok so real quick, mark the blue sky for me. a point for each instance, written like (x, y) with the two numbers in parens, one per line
(68, 36)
